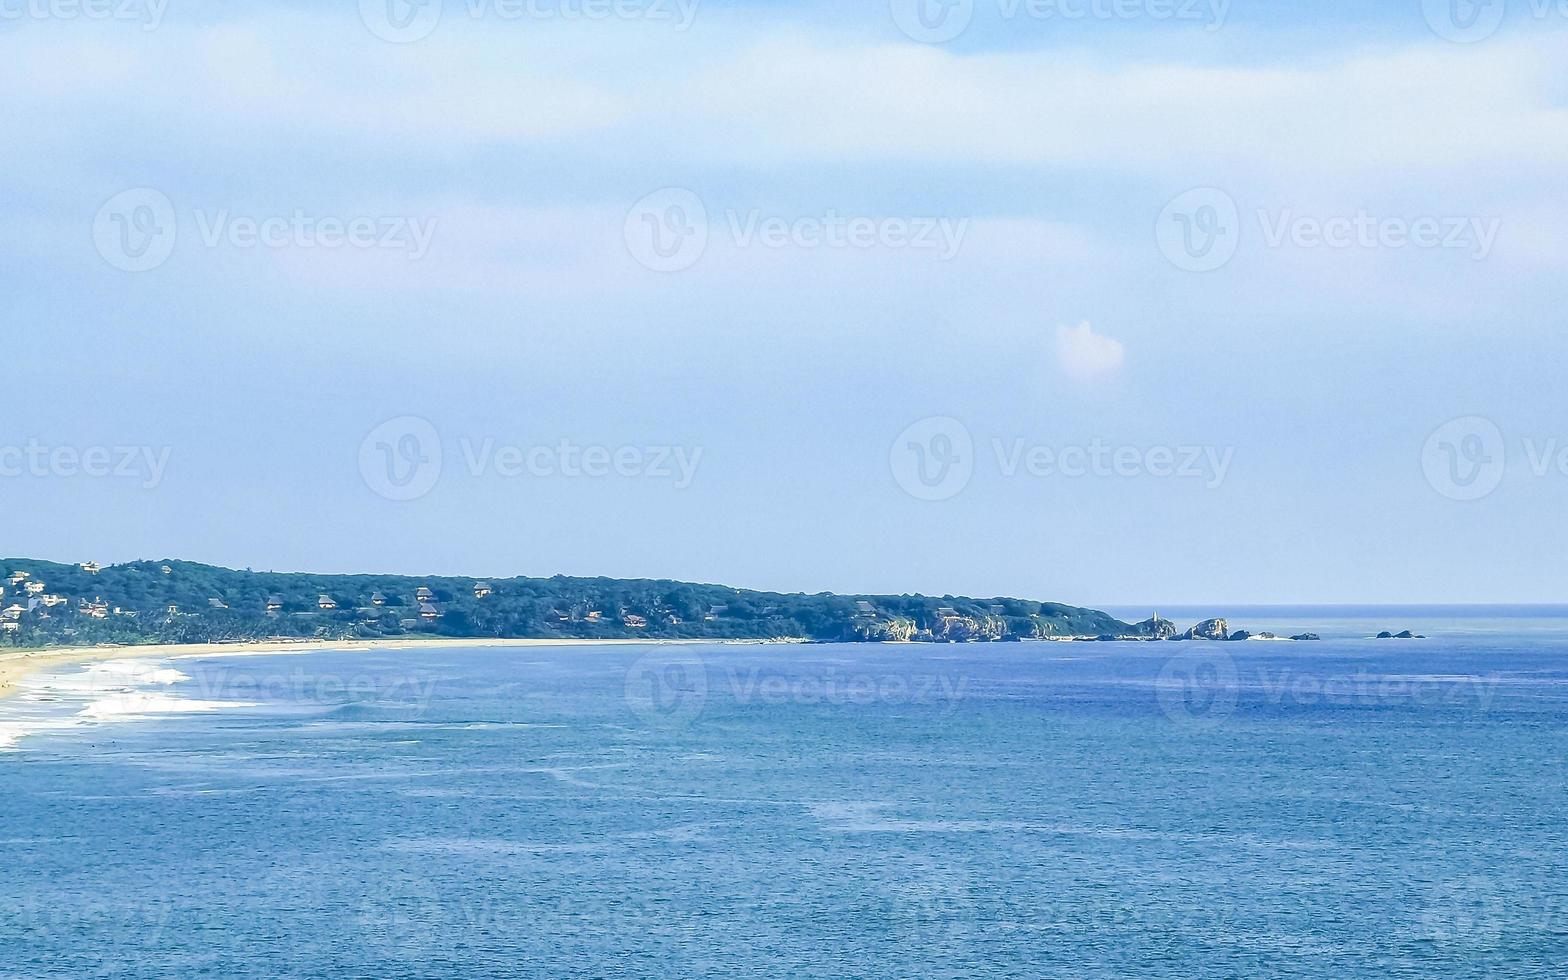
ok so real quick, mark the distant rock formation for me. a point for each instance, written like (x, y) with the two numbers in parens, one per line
(1154, 628)
(1306, 636)
(1403, 635)
(1209, 629)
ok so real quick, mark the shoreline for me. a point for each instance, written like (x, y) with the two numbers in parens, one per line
(17, 665)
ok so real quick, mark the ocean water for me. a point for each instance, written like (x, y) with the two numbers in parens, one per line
(1349, 808)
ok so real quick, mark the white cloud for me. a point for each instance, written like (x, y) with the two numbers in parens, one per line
(1358, 113)
(529, 141)
(1083, 354)
(721, 94)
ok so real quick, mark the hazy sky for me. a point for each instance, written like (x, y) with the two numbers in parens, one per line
(1089, 300)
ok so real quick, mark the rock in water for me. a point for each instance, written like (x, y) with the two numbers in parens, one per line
(1210, 629)
(1154, 628)
(1306, 636)
(1239, 635)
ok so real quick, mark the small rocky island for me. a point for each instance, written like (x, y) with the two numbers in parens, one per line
(1156, 628)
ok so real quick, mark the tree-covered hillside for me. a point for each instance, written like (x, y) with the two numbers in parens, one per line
(173, 601)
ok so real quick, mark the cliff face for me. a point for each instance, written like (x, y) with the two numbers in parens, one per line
(1155, 628)
(1210, 629)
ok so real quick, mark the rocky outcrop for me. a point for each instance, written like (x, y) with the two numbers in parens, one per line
(1403, 635)
(1154, 628)
(1306, 636)
(1209, 629)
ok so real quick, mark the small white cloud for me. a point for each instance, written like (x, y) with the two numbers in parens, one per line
(1086, 355)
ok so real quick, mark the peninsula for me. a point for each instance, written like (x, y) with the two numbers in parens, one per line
(45, 604)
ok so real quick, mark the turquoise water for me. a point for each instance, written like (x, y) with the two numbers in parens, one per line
(1341, 809)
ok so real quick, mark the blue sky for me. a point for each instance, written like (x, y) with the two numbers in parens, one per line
(1361, 401)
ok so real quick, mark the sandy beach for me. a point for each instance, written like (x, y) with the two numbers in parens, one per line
(18, 664)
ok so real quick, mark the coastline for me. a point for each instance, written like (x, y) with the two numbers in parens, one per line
(16, 665)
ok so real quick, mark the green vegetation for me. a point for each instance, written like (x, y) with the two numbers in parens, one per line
(184, 602)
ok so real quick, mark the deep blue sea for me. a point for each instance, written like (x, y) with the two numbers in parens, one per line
(1348, 808)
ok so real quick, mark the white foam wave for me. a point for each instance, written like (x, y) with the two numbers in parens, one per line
(98, 693)
(142, 704)
(12, 732)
